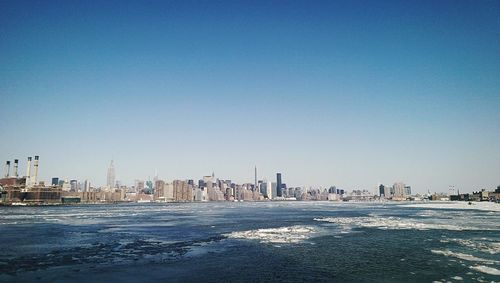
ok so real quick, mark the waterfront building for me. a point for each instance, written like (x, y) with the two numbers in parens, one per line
(263, 188)
(163, 191)
(246, 194)
(159, 193)
(214, 194)
(201, 183)
(257, 195)
(149, 187)
(65, 185)
(169, 192)
(86, 186)
(332, 190)
(269, 192)
(182, 191)
(73, 185)
(382, 191)
(274, 190)
(200, 194)
(208, 181)
(139, 186)
(407, 190)
(278, 184)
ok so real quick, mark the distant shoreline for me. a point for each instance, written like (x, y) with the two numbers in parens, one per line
(485, 206)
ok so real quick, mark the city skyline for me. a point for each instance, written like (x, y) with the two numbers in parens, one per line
(327, 93)
(399, 188)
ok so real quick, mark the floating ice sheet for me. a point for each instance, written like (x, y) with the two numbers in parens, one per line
(291, 234)
(464, 256)
(486, 269)
(398, 223)
(486, 206)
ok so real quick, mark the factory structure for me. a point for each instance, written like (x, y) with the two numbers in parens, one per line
(17, 189)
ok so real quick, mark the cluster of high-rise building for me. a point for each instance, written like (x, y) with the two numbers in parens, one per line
(398, 191)
(27, 189)
(210, 188)
(15, 189)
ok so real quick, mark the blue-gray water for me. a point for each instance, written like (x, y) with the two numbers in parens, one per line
(248, 242)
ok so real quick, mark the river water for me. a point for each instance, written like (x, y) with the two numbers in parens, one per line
(248, 242)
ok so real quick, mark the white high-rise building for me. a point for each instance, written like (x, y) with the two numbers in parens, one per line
(269, 190)
(399, 189)
(86, 186)
(111, 175)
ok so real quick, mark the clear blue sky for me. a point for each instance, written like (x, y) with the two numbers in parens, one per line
(346, 93)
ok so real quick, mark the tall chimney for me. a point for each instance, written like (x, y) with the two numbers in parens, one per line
(16, 167)
(7, 169)
(28, 170)
(35, 168)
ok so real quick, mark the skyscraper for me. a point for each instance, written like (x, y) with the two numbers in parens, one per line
(407, 190)
(74, 185)
(381, 190)
(278, 184)
(256, 188)
(111, 175)
(399, 189)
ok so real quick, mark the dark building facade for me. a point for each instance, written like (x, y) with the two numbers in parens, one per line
(381, 190)
(279, 185)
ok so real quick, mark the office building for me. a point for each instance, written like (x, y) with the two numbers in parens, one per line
(73, 185)
(278, 184)
(111, 175)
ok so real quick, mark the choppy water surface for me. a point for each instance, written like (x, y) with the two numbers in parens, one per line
(279, 241)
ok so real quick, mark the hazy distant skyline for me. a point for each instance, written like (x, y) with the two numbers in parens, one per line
(338, 93)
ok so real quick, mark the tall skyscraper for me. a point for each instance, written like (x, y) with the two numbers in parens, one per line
(256, 188)
(278, 184)
(269, 190)
(381, 190)
(111, 175)
(86, 186)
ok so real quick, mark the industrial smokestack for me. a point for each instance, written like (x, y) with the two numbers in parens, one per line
(16, 167)
(35, 168)
(7, 169)
(28, 170)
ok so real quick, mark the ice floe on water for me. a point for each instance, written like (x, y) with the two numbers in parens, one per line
(483, 244)
(463, 256)
(281, 235)
(452, 221)
(486, 206)
(486, 269)
(390, 223)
